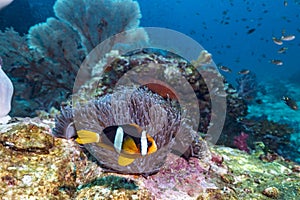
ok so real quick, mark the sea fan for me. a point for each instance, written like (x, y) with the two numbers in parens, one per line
(44, 62)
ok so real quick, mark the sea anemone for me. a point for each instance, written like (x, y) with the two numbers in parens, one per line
(126, 105)
(64, 125)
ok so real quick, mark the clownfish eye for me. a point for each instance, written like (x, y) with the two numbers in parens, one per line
(149, 144)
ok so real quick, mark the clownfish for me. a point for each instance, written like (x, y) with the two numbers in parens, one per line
(129, 140)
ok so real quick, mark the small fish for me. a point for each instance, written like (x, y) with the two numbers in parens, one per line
(285, 3)
(244, 71)
(277, 41)
(282, 50)
(259, 101)
(288, 37)
(290, 102)
(129, 140)
(248, 97)
(276, 62)
(247, 122)
(251, 31)
(225, 69)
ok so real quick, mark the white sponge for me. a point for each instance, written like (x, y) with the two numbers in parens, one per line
(6, 92)
(4, 3)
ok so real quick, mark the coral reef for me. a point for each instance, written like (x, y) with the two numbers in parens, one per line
(35, 165)
(113, 182)
(6, 92)
(236, 106)
(159, 70)
(276, 124)
(101, 192)
(179, 177)
(95, 20)
(241, 142)
(55, 49)
(274, 135)
(62, 171)
(27, 138)
(131, 105)
(247, 86)
(254, 179)
(166, 66)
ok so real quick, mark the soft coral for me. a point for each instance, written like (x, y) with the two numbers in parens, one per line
(240, 142)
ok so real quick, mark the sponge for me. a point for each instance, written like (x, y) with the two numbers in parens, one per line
(6, 92)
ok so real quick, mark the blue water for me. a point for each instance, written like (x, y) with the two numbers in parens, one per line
(229, 43)
(220, 26)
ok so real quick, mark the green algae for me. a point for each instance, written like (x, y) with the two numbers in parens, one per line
(253, 176)
(112, 182)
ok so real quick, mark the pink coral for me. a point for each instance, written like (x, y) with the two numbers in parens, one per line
(240, 142)
(178, 177)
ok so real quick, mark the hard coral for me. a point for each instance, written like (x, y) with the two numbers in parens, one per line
(27, 138)
(275, 136)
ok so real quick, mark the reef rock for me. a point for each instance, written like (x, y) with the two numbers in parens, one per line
(35, 165)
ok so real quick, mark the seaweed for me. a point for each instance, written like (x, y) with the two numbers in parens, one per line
(113, 182)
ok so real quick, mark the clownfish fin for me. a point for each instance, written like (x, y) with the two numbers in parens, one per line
(137, 127)
(129, 146)
(85, 136)
(124, 161)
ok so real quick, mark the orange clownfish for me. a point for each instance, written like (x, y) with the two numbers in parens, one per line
(129, 140)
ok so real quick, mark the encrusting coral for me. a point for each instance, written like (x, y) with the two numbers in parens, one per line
(35, 165)
(59, 169)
